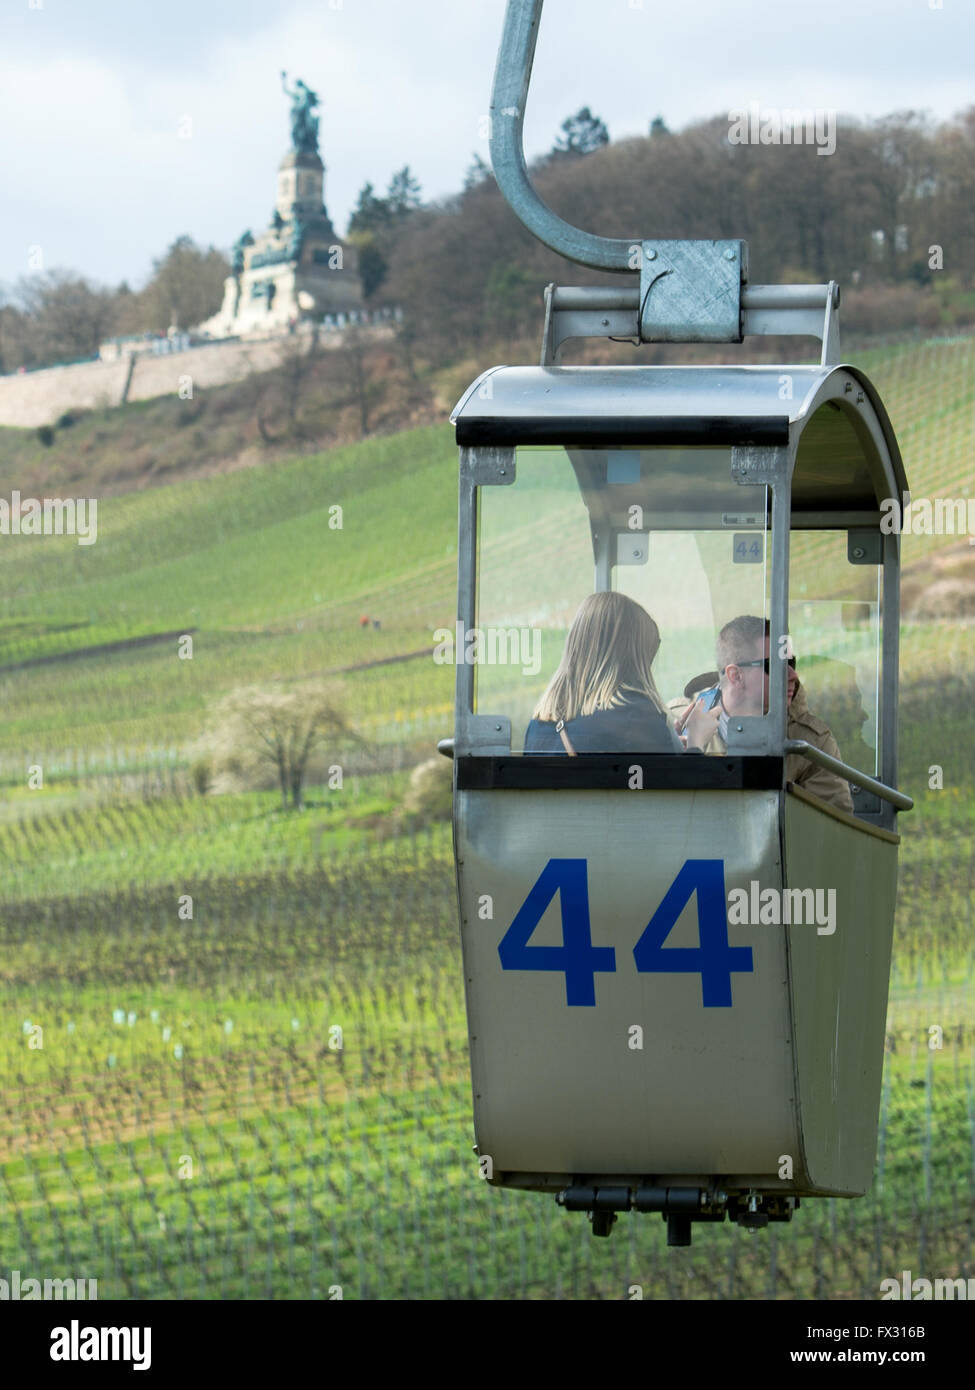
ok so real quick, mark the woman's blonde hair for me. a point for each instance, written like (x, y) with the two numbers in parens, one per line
(608, 654)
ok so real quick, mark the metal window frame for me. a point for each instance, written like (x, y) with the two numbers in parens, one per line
(489, 735)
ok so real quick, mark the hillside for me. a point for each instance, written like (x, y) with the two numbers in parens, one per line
(246, 560)
(209, 1038)
(317, 398)
(249, 562)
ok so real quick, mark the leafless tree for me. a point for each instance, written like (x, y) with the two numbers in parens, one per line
(256, 726)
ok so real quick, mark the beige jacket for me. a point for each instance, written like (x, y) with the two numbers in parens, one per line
(828, 786)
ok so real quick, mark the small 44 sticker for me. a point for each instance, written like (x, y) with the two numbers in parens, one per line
(580, 961)
(748, 549)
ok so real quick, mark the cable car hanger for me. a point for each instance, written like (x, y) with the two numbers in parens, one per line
(690, 291)
(760, 1085)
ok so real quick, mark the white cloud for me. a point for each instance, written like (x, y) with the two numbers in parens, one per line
(104, 183)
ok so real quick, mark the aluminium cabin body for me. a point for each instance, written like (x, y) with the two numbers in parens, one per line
(634, 1042)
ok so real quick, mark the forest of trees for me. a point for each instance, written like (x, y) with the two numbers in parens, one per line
(888, 214)
(60, 316)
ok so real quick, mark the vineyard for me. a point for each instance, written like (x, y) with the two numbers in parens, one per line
(195, 1125)
(233, 1043)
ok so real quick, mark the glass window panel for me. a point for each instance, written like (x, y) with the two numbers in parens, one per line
(535, 567)
(667, 527)
(834, 620)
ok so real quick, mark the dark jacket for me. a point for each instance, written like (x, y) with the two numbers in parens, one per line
(636, 727)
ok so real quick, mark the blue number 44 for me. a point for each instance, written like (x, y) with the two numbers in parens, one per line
(579, 960)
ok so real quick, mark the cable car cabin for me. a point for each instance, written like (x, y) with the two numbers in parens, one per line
(677, 963)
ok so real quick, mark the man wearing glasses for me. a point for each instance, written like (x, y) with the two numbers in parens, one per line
(742, 650)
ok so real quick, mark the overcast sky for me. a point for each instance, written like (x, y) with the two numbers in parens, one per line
(94, 95)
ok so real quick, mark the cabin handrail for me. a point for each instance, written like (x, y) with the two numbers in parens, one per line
(851, 774)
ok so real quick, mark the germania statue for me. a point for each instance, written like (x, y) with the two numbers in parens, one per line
(304, 124)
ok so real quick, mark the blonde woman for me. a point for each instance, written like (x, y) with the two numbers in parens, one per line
(603, 698)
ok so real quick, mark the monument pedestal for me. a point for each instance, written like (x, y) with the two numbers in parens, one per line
(297, 269)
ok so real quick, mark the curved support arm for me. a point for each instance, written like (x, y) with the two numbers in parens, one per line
(859, 779)
(511, 78)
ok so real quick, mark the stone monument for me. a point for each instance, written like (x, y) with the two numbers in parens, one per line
(298, 268)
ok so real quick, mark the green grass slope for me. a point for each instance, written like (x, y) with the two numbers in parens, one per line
(249, 563)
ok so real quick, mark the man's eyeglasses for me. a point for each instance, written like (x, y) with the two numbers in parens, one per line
(763, 661)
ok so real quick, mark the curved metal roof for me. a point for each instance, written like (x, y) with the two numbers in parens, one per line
(686, 405)
(523, 393)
